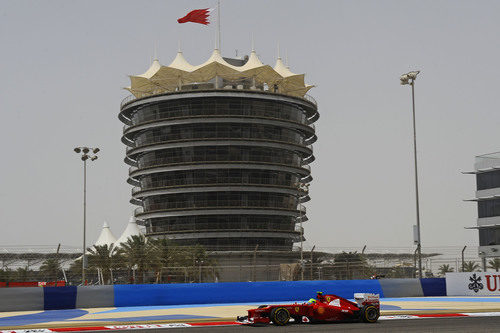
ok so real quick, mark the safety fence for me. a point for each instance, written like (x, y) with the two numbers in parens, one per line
(45, 266)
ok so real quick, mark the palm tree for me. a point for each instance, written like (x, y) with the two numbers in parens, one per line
(443, 269)
(494, 264)
(74, 272)
(201, 264)
(350, 264)
(6, 275)
(104, 259)
(470, 266)
(50, 269)
(166, 254)
(138, 254)
(24, 274)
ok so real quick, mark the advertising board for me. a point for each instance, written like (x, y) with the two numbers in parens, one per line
(473, 284)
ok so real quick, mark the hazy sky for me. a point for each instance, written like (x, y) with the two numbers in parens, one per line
(63, 64)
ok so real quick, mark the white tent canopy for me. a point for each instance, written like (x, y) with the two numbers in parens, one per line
(161, 79)
(132, 229)
(106, 237)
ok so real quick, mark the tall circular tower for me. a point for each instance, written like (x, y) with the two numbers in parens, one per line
(219, 156)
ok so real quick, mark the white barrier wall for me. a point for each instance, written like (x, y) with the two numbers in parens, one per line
(473, 284)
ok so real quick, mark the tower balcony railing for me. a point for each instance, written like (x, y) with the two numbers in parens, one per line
(154, 118)
(127, 99)
(180, 182)
(207, 204)
(230, 204)
(133, 169)
(138, 210)
(220, 227)
(307, 167)
(310, 99)
(262, 141)
(306, 97)
(185, 136)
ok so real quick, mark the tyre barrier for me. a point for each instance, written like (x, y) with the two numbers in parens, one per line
(71, 297)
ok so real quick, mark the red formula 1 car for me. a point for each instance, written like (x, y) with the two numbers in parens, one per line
(323, 309)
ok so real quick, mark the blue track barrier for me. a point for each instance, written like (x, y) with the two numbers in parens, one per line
(434, 286)
(19, 299)
(53, 298)
(236, 292)
(56, 298)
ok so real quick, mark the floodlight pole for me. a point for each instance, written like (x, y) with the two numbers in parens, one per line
(417, 203)
(218, 26)
(86, 153)
(84, 259)
(410, 78)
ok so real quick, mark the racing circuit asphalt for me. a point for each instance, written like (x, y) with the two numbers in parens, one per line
(471, 324)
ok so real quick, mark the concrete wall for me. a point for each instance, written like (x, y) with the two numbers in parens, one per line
(70, 297)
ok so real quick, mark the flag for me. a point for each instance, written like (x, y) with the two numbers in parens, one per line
(197, 16)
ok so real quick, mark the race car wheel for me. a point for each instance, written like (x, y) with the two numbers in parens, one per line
(280, 316)
(370, 314)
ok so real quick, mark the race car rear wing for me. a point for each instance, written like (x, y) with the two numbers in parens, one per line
(363, 299)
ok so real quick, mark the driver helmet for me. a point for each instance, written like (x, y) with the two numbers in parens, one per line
(311, 301)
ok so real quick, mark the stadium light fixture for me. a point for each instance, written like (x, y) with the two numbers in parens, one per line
(86, 153)
(409, 79)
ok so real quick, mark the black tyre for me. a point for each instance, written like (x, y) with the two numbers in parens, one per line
(370, 314)
(280, 316)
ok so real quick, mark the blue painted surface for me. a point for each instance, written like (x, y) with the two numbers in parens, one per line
(41, 317)
(433, 286)
(237, 292)
(56, 298)
(70, 315)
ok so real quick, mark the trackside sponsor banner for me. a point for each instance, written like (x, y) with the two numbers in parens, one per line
(473, 284)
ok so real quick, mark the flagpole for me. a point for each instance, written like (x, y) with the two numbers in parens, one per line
(218, 25)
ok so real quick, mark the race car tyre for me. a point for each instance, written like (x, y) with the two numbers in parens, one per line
(370, 314)
(279, 316)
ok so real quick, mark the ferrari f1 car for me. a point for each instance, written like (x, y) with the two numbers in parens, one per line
(323, 309)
